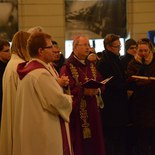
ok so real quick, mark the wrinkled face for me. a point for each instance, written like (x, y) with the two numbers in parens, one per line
(143, 50)
(82, 48)
(115, 47)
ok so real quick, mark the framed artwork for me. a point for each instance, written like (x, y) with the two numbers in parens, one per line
(95, 18)
(8, 18)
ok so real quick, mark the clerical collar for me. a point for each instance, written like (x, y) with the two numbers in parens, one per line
(82, 61)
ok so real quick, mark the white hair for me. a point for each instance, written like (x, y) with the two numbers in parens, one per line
(35, 29)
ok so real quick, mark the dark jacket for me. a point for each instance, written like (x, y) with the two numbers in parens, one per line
(115, 96)
(125, 59)
(143, 98)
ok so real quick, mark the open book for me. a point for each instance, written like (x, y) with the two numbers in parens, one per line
(143, 77)
(95, 84)
(106, 80)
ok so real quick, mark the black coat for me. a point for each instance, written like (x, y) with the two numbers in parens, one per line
(115, 96)
(125, 59)
(143, 98)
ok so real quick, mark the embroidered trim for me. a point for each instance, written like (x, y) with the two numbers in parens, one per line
(74, 72)
(93, 70)
(86, 131)
(84, 116)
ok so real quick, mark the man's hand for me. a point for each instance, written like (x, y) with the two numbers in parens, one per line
(63, 81)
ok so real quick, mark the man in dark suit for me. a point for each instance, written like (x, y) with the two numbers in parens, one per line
(114, 113)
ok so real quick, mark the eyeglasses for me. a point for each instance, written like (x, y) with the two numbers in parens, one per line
(86, 45)
(118, 46)
(48, 47)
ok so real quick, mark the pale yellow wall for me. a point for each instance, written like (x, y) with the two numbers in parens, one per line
(141, 17)
(50, 15)
(46, 13)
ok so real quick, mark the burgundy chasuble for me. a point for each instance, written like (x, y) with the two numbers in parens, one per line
(85, 122)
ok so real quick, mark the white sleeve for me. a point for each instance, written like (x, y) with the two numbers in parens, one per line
(52, 96)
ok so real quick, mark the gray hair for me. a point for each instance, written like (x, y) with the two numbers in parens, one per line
(35, 29)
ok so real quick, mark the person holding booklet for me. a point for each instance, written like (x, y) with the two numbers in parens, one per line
(85, 121)
(139, 70)
(95, 84)
(114, 113)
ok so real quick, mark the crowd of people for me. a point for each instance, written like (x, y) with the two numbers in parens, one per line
(55, 106)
